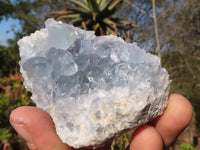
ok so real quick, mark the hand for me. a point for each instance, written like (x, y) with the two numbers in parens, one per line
(38, 129)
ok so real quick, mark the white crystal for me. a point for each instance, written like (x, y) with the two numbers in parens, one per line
(94, 88)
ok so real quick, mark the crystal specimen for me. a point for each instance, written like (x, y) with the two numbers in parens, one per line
(94, 88)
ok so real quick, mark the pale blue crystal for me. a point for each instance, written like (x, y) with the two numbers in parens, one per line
(94, 88)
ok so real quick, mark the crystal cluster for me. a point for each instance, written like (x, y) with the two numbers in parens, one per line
(94, 88)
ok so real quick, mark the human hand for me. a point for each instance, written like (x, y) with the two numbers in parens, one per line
(38, 129)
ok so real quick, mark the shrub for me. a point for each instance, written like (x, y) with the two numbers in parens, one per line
(12, 95)
(186, 147)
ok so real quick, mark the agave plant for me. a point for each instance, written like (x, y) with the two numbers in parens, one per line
(97, 15)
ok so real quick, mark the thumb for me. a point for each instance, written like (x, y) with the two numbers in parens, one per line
(37, 128)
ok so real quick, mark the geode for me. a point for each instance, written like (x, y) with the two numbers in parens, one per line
(94, 87)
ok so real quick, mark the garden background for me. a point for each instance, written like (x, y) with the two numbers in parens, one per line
(167, 28)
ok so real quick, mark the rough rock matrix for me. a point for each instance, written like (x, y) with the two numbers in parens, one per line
(94, 88)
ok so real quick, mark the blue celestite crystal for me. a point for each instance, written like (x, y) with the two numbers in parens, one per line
(94, 88)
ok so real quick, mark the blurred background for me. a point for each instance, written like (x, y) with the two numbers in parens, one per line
(167, 28)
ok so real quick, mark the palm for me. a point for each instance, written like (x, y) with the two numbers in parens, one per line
(97, 15)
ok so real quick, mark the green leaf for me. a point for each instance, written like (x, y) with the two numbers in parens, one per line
(78, 3)
(110, 30)
(186, 147)
(112, 9)
(80, 9)
(68, 16)
(112, 25)
(108, 21)
(119, 22)
(115, 4)
(76, 20)
(129, 23)
(104, 5)
(4, 134)
(4, 101)
(99, 2)
(93, 5)
(85, 1)
(96, 26)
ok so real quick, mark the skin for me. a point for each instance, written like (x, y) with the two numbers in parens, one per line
(38, 129)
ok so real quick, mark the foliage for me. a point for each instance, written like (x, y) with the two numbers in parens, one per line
(97, 15)
(31, 14)
(4, 134)
(12, 95)
(186, 147)
(6, 8)
(122, 142)
(183, 29)
(184, 72)
(9, 60)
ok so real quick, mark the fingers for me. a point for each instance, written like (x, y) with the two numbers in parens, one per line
(175, 118)
(37, 128)
(146, 138)
(166, 128)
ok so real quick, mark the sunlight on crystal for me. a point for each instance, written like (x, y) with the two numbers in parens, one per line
(94, 88)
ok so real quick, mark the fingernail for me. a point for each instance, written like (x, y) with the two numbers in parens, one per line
(22, 131)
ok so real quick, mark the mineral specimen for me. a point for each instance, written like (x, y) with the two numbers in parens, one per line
(94, 88)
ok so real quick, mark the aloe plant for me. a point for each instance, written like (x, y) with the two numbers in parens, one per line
(97, 15)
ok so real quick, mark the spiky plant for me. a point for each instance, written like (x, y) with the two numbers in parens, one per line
(97, 15)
